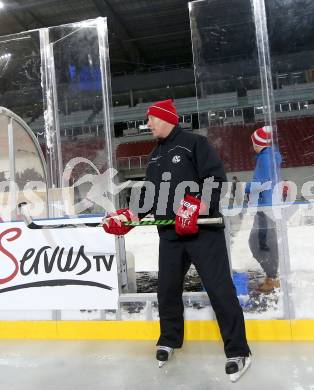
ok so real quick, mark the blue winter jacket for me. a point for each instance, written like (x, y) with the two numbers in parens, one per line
(266, 169)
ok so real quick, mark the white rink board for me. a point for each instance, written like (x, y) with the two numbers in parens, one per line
(57, 269)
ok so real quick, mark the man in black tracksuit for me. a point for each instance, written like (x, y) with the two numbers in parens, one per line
(184, 168)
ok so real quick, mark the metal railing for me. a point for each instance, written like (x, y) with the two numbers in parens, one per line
(132, 162)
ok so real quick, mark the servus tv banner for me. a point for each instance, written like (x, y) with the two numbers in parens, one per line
(66, 269)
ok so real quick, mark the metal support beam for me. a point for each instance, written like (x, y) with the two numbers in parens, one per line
(25, 18)
(37, 19)
(125, 39)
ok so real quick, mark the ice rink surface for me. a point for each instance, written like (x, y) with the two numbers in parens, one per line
(131, 365)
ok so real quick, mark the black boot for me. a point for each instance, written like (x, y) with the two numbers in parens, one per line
(163, 354)
(236, 367)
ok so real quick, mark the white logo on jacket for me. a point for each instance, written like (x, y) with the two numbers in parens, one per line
(176, 159)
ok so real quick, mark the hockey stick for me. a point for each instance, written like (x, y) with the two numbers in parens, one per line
(31, 224)
(162, 222)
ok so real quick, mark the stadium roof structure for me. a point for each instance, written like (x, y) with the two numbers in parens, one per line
(143, 34)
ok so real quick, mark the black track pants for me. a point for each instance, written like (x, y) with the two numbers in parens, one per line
(208, 252)
(264, 244)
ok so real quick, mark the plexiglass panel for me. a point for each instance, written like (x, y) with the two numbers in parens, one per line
(58, 81)
(5, 172)
(22, 166)
(300, 228)
(290, 27)
(4, 149)
(231, 66)
(226, 61)
(79, 98)
(21, 93)
(20, 75)
(30, 170)
(290, 34)
(55, 87)
(27, 162)
(81, 92)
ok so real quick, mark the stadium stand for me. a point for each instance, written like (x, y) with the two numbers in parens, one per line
(228, 132)
(132, 149)
(295, 141)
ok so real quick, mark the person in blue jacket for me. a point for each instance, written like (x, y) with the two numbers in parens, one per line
(260, 190)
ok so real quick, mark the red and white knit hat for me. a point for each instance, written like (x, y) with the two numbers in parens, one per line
(262, 137)
(164, 110)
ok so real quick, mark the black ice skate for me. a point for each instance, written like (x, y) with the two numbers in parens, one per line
(163, 354)
(236, 367)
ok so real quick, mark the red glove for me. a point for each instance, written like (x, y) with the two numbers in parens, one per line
(114, 225)
(187, 214)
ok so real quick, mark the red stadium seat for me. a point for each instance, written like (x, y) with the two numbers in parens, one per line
(295, 140)
(132, 149)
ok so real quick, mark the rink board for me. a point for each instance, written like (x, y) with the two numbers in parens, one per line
(57, 269)
(258, 330)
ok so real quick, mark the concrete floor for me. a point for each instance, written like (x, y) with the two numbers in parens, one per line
(119, 365)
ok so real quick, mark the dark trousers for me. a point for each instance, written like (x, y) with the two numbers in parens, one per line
(263, 244)
(209, 255)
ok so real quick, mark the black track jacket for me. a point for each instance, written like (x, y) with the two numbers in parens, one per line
(179, 159)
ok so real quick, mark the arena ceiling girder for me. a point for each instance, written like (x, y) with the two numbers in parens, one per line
(142, 33)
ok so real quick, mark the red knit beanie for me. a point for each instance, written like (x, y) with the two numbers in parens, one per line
(262, 136)
(164, 110)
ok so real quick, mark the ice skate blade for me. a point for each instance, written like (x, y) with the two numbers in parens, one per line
(236, 376)
(163, 362)
(160, 363)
